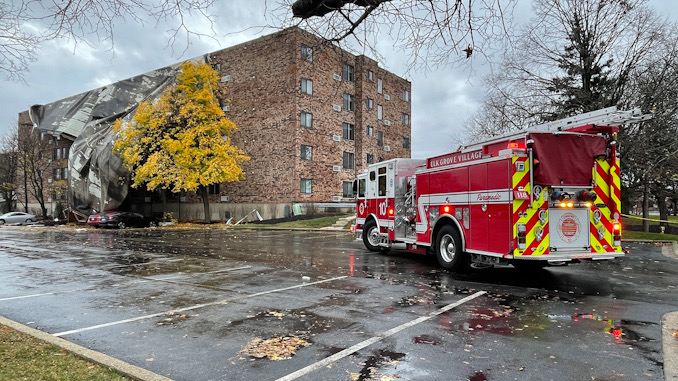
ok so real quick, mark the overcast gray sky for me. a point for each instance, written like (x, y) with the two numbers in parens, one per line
(441, 99)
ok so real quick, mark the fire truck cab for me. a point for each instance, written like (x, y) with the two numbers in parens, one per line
(549, 194)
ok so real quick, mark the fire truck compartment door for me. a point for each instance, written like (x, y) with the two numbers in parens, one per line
(569, 229)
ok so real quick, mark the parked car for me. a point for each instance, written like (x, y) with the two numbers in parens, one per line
(93, 219)
(16, 218)
(123, 220)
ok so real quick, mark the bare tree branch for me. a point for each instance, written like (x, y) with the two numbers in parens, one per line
(26, 23)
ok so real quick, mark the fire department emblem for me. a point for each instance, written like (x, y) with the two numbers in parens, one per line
(362, 208)
(569, 227)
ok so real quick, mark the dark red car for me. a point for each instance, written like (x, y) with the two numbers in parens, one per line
(93, 220)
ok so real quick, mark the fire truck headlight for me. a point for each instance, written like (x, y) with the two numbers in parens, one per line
(570, 204)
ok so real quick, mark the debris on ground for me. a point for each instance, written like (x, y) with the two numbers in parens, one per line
(277, 348)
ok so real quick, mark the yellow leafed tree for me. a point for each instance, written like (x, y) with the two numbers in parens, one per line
(181, 140)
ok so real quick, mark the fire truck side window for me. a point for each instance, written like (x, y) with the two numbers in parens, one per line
(361, 188)
(382, 181)
(373, 176)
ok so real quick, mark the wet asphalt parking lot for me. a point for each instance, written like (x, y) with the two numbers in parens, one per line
(257, 304)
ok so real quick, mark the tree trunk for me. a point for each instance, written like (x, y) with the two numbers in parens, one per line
(163, 197)
(206, 204)
(646, 206)
(663, 208)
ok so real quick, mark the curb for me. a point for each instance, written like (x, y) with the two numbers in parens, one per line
(119, 366)
(670, 345)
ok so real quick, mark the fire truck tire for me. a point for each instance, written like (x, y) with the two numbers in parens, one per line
(371, 236)
(448, 249)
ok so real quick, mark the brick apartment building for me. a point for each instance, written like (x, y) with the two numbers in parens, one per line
(309, 114)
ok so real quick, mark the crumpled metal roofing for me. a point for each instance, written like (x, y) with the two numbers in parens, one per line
(97, 179)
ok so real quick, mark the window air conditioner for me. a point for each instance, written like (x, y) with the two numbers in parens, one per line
(387, 148)
(336, 138)
(337, 77)
(336, 168)
(336, 107)
(336, 198)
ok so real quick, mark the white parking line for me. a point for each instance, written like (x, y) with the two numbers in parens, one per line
(339, 355)
(195, 307)
(179, 275)
(27, 296)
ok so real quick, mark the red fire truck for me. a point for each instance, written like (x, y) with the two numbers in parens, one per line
(547, 194)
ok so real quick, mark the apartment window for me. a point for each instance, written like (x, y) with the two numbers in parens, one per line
(64, 152)
(369, 102)
(305, 186)
(380, 86)
(370, 75)
(347, 187)
(306, 152)
(348, 73)
(213, 189)
(380, 159)
(380, 112)
(406, 119)
(306, 119)
(307, 86)
(349, 158)
(57, 173)
(348, 102)
(369, 159)
(57, 153)
(349, 131)
(306, 53)
(64, 173)
(380, 138)
(406, 95)
(370, 131)
(406, 143)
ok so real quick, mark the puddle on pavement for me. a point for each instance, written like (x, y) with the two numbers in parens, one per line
(381, 365)
(426, 339)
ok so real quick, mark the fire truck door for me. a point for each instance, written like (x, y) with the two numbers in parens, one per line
(490, 207)
(479, 220)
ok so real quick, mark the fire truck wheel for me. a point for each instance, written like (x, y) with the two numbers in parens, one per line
(371, 236)
(448, 249)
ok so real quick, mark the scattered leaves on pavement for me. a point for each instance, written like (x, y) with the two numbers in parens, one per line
(277, 348)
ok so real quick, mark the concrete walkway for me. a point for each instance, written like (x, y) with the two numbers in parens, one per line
(339, 225)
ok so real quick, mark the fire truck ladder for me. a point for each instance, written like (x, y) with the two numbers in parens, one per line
(604, 117)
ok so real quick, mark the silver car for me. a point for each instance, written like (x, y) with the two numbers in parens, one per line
(16, 218)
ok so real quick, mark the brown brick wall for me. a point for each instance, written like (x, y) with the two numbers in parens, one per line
(266, 103)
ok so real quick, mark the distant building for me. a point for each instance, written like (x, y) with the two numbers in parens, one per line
(309, 114)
